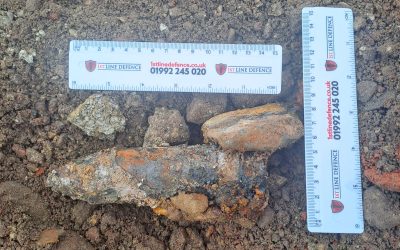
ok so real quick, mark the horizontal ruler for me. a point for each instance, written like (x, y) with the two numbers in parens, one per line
(332, 156)
(175, 67)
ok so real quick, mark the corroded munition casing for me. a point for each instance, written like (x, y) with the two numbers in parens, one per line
(232, 182)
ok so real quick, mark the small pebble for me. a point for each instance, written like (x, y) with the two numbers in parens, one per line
(27, 56)
(190, 203)
(231, 35)
(367, 53)
(49, 236)
(266, 218)
(93, 235)
(163, 27)
(359, 23)
(32, 5)
(34, 156)
(6, 18)
(73, 32)
(176, 12)
(275, 9)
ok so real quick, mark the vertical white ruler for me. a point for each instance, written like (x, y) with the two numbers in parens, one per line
(333, 174)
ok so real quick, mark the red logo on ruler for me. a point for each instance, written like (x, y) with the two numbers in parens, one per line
(337, 206)
(330, 65)
(220, 68)
(90, 65)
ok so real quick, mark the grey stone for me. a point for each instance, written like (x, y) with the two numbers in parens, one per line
(266, 218)
(166, 127)
(6, 18)
(205, 106)
(275, 9)
(176, 12)
(379, 210)
(32, 5)
(368, 53)
(359, 23)
(380, 102)
(27, 56)
(34, 156)
(98, 116)
(366, 90)
(389, 49)
(231, 35)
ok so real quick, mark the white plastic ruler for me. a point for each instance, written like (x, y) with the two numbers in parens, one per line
(333, 174)
(175, 67)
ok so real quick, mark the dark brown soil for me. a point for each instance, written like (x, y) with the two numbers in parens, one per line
(35, 101)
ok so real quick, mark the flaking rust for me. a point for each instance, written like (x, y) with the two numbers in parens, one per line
(193, 183)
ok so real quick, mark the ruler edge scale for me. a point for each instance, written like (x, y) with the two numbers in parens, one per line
(269, 48)
(308, 117)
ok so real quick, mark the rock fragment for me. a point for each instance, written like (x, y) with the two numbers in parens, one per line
(359, 22)
(264, 128)
(34, 156)
(231, 35)
(383, 101)
(379, 211)
(27, 56)
(166, 127)
(49, 236)
(154, 177)
(32, 5)
(176, 12)
(93, 235)
(98, 116)
(389, 49)
(266, 218)
(275, 9)
(366, 89)
(203, 107)
(190, 203)
(6, 18)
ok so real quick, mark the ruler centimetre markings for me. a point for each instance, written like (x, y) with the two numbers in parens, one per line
(333, 174)
(175, 67)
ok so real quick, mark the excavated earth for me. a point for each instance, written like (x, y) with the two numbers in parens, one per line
(36, 136)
